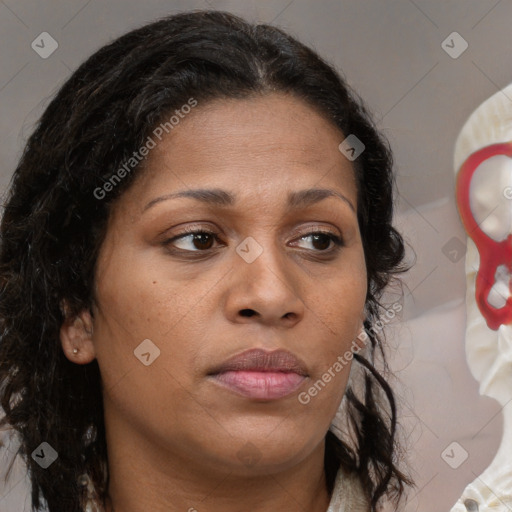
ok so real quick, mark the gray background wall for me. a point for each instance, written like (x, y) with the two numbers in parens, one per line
(391, 53)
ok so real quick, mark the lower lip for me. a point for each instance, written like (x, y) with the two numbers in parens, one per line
(261, 385)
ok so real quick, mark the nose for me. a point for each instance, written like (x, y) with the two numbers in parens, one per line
(266, 290)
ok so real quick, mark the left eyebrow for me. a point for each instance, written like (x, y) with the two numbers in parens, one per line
(303, 198)
(223, 198)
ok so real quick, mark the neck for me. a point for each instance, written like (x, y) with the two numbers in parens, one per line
(128, 493)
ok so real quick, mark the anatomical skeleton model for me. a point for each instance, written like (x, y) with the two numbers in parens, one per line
(483, 165)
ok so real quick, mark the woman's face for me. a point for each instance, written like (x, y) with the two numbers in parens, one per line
(173, 307)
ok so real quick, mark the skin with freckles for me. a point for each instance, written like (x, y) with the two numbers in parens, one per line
(175, 436)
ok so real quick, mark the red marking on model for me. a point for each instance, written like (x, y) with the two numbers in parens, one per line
(492, 253)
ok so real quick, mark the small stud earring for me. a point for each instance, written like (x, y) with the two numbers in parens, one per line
(75, 351)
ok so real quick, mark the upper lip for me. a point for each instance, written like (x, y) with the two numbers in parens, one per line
(258, 359)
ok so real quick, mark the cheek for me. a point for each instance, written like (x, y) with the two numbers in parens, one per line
(137, 303)
(341, 294)
(337, 308)
(144, 319)
(138, 294)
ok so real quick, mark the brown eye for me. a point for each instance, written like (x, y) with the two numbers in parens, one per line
(321, 241)
(193, 241)
(202, 241)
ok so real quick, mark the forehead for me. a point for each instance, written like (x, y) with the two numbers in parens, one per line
(258, 145)
(275, 121)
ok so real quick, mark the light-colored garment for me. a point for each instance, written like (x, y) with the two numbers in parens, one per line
(348, 495)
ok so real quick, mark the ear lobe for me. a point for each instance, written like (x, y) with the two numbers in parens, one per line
(76, 337)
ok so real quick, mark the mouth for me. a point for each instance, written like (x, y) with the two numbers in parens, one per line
(261, 375)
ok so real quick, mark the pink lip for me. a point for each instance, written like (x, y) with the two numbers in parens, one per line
(259, 374)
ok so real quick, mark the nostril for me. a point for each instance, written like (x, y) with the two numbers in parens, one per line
(247, 312)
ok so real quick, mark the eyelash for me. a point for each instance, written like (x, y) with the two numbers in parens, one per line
(338, 241)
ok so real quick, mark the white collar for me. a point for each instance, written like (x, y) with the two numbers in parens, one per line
(348, 495)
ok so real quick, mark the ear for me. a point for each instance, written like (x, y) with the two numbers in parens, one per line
(76, 335)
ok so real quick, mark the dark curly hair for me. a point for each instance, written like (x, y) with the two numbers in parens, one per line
(53, 226)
